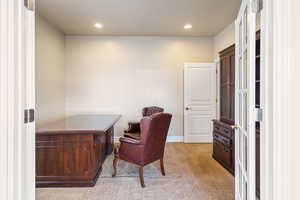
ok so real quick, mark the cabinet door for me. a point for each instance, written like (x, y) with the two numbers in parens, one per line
(232, 87)
(225, 70)
(64, 157)
(222, 153)
(231, 103)
(99, 146)
(232, 68)
(224, 102)
(77, 157)
(227, 82)
(48, 157)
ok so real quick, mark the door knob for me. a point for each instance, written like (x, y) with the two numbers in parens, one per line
(187, 108)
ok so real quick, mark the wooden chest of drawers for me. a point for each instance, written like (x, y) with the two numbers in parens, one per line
(223, 145)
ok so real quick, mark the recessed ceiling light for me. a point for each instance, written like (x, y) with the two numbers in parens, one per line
(97, 25)
(188, 26)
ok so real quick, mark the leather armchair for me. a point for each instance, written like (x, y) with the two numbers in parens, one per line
(133, 130)
(149, 148)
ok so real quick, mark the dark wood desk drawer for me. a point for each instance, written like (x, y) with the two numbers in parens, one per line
(221, 139)
(218, 127)
(224, 129)
(223, 154)
(228, 131)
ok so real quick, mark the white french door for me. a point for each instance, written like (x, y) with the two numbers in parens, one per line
(29, 99)
(199, 101)
(17, 137)
(245, 103)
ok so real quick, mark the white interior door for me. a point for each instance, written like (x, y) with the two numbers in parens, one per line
(245, 103)
(199, 101)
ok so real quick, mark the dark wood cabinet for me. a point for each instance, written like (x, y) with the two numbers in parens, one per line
(223, 134)
(227, 84)
(223, 145)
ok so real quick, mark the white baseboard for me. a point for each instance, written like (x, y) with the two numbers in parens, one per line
(169, 139)
(175, 139)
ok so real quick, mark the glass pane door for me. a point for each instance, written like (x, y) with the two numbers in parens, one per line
(245, 103)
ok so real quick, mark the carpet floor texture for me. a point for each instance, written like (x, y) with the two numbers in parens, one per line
(191, 174)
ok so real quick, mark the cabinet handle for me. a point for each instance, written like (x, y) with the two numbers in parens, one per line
(235, 127)
(225, 141)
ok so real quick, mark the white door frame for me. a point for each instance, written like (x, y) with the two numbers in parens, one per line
(17, 179)
(275, 130)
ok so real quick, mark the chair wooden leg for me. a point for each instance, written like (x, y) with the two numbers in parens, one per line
(162, 167)
(115, 163)
(141, 172)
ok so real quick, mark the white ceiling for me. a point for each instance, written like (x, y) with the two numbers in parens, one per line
(139, 17)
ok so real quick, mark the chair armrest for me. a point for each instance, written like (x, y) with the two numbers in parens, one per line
(129, 140)
(134, 127)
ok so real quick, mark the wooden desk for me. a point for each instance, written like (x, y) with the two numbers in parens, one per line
(70, 152)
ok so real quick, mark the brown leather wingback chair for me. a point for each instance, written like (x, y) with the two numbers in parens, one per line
(149, 148)
(133, 130)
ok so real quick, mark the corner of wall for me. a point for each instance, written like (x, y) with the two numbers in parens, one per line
(224, 39)
(50, 71)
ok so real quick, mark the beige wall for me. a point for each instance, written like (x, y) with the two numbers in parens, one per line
(224, 39)
(123, 74)
(50, 50)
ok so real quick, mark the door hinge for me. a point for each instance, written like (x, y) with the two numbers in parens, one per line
(28, 116)
(257, 6)
(259, 114)
(29, 4)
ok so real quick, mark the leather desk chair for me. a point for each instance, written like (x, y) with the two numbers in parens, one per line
(133, 130)
(149, 148)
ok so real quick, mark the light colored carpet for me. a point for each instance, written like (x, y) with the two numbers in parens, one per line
(182, 181)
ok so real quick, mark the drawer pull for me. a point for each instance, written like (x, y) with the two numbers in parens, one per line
(225, 141)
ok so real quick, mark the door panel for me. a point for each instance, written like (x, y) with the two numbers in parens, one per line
(225, 67)
(199, 101)
(245, 103)
(224, 102)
